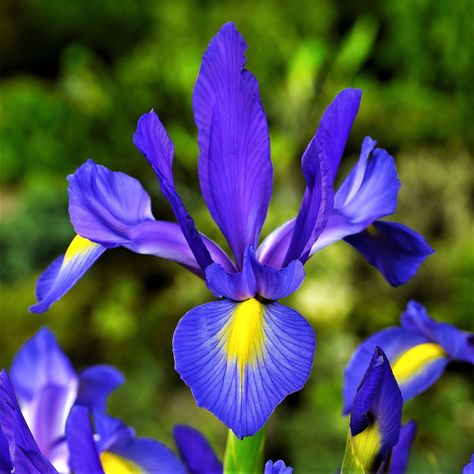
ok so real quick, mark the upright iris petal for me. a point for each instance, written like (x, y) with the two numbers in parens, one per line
(241, 356)
(375, 418)
(366, 195)
(418, 351)
(278, 467)
(235, 170)
(47, 387)
(154, 143)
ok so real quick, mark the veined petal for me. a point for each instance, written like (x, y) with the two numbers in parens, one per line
(320, 163)
(154, 143)
(195, 451)
(25, 456)
(96, 384)
(83, 453)
(416, 362)
(278, 467)
(47, 386)
(334, 130)
(238, 286)
(242, 359)
(235, 169)
(65, 272)
(401, 451)
(418, 351)
(375, 415)
(105, 205)
(275, 284)
(394, 249)
(112, 209)
(316, 204)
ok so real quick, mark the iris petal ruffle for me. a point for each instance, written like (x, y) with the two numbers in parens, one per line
(235, 170)
(195, 451)
(418, 352)
(255, 279)
(394, 249)
(242, 359)
(278, 467)
(112, 209)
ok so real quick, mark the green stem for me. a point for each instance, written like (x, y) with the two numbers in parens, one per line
(244, 456)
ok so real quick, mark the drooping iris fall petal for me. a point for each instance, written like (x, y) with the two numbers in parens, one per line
(242, 359)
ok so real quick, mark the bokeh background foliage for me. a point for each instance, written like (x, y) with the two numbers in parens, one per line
(76, 76)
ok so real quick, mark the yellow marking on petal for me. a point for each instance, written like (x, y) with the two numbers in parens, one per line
(366, 446)
(245, 336)
(414, 359)
(115, 464)
(78, 245)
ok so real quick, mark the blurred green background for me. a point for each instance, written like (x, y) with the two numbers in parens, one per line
(76, 76)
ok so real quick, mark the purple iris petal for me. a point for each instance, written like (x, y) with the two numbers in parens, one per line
(459, 345)
(96, 384)
(334, 130)
(63, 273)
(469, 468)
(242, 359)
(255, 278)
(401, 451)
(83, 454)
(47, 386)
(105, 205)
(278, 467)
(195, 451)
(147, 455)
(25, 455)
(110, 430)
(5, 461)
(275, 284)
(238, 286)
(235, 169)
(418, 352)
(396, 250)
(153, 142)
(378, 402)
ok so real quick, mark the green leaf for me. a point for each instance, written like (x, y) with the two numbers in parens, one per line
(244, 455)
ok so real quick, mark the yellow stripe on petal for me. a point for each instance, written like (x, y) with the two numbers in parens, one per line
(244, 334)
(115, 464)
(414, 359)
(77, 246)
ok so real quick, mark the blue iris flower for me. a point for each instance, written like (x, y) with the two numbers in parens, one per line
(47, 387)
(418, 351)
(242, 355)
(375, 423)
